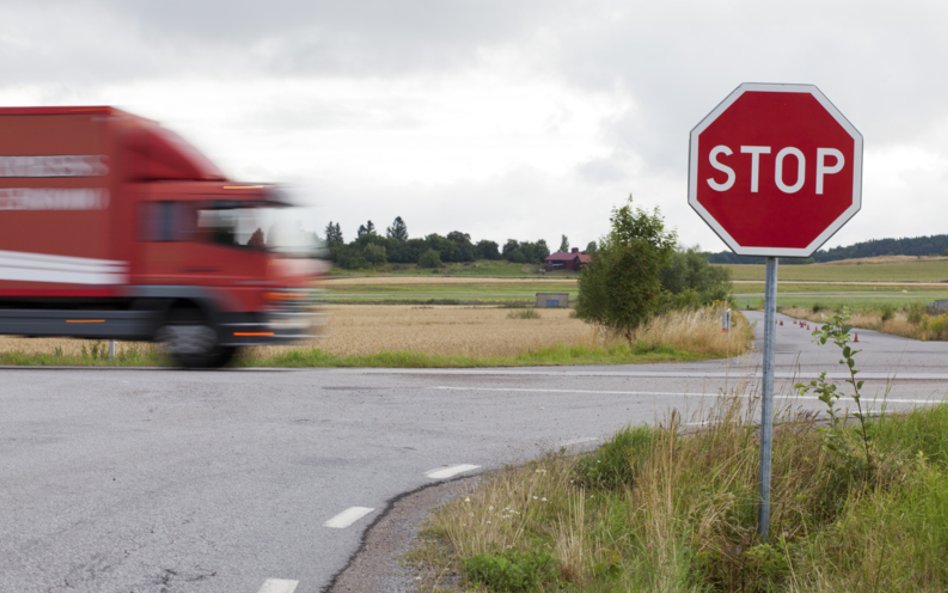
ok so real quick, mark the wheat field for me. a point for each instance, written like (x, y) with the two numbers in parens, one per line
(453, 331)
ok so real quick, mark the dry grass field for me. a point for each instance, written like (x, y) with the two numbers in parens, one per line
(466, 331)
(494, 331)
(485, 331)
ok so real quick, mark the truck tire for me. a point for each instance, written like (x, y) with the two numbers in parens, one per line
(191, 340)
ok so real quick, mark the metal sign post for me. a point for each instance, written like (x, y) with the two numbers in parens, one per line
(775, 170)
(767, 398)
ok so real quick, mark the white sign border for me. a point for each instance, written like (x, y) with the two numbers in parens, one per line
(833, 227)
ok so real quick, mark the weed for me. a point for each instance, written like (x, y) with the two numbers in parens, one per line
(837, 330)
(656, 510)
(887, 312)
(523, 314)
(616, 464)
(511, 571)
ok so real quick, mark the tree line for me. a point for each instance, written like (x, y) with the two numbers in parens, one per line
(914, 246)
(372, 248)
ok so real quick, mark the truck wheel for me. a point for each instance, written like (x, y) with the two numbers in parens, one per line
(192, 342)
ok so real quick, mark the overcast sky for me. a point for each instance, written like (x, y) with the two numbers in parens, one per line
(523, 119)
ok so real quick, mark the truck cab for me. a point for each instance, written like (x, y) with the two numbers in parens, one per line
(112, 226)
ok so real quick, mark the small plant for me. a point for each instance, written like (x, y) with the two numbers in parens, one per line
(836, 330)
(618, 461)
(523, 314)
(915, 314)
(887, 313)
(512, 571)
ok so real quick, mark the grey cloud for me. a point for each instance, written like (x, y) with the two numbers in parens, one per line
(120, 39)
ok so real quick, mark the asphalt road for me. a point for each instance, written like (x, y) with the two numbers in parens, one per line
(163, 481)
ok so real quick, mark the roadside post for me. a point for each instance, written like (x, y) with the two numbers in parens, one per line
(775, 170)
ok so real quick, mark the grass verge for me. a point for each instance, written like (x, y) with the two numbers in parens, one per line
(656, 510)
(551, 356)
(912, 321)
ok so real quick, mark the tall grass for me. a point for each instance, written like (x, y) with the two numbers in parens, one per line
(658, 510)
(910, 321)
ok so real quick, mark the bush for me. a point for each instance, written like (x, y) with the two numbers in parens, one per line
(938, 328)
(618, 461)
(512, 571)
(430, 259)
(523, 314)
(887, 313)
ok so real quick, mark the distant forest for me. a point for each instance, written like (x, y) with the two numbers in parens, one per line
(371, 248)
(917, 246)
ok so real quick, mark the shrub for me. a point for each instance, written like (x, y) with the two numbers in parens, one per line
(430, 259)
(938, 328)
(511, 571)
(887, 313)
(618, 461)
(523, 314)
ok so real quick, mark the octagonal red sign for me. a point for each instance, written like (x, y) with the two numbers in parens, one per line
(775, 170)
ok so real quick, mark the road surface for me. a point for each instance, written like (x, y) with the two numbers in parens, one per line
(165, 481)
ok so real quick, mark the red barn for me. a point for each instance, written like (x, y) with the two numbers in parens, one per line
(561, 260)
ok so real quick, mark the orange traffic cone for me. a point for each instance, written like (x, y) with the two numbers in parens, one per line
(855, 337)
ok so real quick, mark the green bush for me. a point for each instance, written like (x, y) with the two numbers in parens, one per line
(887, 313)
(511, 571)
(430, 259)
(523, 314)
(618, 461)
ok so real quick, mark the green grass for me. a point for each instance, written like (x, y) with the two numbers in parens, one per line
(316, 358)
(552, 356)
(657, 510)
(427, 293)
(96, 355)
(922, 270)
(853, 297)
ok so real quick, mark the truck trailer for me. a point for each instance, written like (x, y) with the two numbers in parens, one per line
(113, 227)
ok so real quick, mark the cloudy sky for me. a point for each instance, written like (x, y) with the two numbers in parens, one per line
(521, 119)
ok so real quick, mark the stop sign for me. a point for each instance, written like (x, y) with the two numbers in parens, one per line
(775, 170)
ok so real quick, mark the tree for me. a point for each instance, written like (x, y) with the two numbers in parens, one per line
(541, 251)
(486, 250)
(375, 254)
(689, 281)
(430, 259)
(366, 230)
(564, 244)
(513, 251)
(462, 241)
(591, 248)
(333, 234)
(621, 288)
(398, 231)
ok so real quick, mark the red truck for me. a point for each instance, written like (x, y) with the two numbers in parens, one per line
(112, 227)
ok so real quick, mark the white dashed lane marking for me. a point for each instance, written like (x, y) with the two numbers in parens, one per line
(278, 586)
(579, 441)
(348, 517)
(890, 400)
(443, 473)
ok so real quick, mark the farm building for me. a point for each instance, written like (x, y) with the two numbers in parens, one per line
(561, 260)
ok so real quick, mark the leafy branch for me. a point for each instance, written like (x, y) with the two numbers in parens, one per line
(836, 330)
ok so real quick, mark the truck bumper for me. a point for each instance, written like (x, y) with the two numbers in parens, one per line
(292, 322)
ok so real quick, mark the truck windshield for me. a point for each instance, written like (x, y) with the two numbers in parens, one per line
(276, 228)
